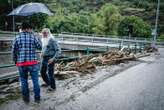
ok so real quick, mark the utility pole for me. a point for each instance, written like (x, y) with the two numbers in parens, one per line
(156, 22)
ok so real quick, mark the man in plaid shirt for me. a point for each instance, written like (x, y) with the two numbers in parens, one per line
(25, 57)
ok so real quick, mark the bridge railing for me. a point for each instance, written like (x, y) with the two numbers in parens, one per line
(82, 38)
(106, 36)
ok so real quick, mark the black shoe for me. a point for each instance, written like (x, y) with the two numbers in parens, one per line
(51, 89)
(26, 99)
(37, 100)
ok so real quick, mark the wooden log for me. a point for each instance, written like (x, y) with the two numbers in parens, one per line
(113, 61)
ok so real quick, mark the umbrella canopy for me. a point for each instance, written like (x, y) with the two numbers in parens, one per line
(31, 8)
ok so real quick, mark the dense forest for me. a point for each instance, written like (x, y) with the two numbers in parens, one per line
(105, 17)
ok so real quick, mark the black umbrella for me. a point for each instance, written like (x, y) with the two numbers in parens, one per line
(30, 9)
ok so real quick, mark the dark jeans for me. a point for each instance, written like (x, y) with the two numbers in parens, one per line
(23, 72)
(47, 72)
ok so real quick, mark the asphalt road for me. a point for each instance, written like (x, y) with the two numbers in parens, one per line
(138, 88)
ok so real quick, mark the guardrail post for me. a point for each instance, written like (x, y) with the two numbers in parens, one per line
(62, 37)
(92, 40)
(74, 38)
(144, 45)
(140, 47)
(129, 45)
(122, 43)
(107, 48)
(120, 46)
(87, 50)
(135, 48)
(77, 39)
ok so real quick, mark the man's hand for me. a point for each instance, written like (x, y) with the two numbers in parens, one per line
(41, 55)
(50, 61)
(15, 62)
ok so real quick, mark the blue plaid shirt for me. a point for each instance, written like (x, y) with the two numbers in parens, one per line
(24, 47)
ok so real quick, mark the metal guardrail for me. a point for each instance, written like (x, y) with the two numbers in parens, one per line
(106, 36)
(82, 38)
(92, 40)
(7, 32)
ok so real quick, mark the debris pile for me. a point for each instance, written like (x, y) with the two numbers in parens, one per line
(9, 92)
(150, 49)
(87, 64)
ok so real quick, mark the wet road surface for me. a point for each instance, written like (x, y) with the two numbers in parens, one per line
(138, 88)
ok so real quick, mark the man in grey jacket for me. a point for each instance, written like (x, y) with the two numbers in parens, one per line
(50, 53)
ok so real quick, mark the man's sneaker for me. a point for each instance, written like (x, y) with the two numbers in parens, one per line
(26, 99)
(37, 101)
(44, 85)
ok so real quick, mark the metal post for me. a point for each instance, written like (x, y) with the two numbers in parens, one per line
(13, 18)
(62, 37)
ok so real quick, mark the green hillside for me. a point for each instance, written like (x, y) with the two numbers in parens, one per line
(145, 9)
(94, 16)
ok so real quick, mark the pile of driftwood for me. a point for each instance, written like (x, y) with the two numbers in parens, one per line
(87, 64)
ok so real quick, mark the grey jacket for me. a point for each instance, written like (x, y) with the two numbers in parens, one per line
(52, 50)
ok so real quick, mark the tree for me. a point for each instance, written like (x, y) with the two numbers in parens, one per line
(161, 38)
(106, 21)
(38, 21)
(76, 23)
(3, 9)
(140, 28)
(80, 22)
